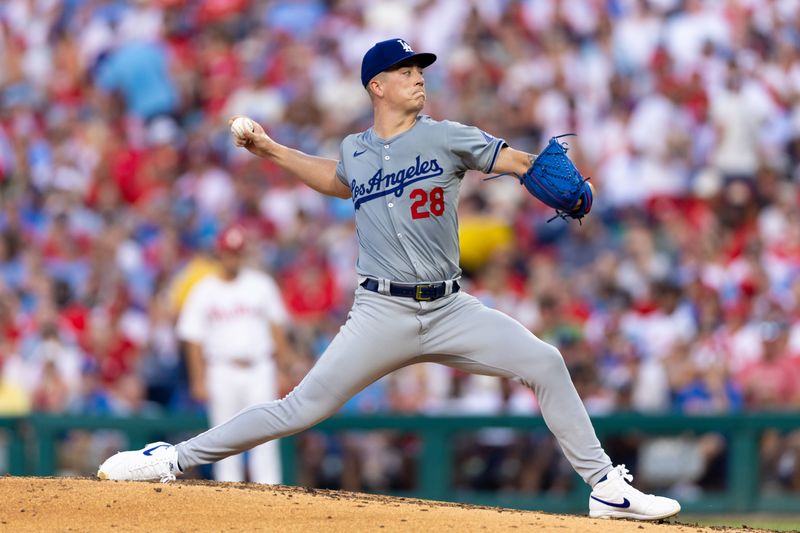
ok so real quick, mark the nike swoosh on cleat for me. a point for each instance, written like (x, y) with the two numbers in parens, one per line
(357, 153)
(150, 451)
(624, 505)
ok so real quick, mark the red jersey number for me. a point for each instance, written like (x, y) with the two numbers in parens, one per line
(427, 204)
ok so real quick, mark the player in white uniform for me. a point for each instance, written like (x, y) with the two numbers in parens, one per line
(403, 176)
(233, 326)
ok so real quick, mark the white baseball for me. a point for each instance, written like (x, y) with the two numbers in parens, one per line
(241, 126)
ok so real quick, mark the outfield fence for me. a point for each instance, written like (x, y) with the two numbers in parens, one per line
(31, 450)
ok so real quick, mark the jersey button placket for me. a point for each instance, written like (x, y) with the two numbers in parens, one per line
(386, 157)
(393, 214)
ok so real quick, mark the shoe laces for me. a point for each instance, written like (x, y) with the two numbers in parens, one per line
(623, 472)
(159, 467)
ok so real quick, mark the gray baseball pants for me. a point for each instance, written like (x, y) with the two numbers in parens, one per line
(383, 333)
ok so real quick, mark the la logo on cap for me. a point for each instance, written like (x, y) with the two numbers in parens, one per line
(406, 46)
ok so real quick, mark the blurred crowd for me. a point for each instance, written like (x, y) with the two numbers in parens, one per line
(679, 293)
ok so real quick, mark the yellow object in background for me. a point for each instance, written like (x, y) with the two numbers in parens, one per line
(14, 401)
(481, 237)
(195, 270)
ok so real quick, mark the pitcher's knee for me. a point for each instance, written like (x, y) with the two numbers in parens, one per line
(550, 362)
(542, 366)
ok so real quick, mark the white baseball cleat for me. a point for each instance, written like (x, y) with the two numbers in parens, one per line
(614, 498)
(158, 460)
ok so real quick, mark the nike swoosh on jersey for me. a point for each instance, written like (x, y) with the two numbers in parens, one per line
(624, 505)
(357, 153)
(150, 451)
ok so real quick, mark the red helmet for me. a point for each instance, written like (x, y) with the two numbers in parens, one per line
(231, 239)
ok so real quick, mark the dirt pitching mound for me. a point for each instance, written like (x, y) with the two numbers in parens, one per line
(67, 504)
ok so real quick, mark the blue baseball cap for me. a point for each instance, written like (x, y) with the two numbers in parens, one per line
(386, 54)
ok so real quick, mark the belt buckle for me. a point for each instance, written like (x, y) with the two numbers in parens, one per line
(418, 292)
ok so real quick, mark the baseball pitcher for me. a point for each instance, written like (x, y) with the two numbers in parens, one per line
(403, 176)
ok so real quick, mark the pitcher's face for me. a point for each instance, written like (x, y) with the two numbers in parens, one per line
(404, 87)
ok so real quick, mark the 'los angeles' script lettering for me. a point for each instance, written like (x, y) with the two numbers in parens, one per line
(381, 184)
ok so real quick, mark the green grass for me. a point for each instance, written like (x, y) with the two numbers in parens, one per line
(771, 522)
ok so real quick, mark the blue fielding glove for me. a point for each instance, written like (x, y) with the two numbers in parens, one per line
(553, 179)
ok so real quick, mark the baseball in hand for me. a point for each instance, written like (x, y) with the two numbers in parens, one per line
(241, 126)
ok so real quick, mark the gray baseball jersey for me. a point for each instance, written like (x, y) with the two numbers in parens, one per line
(405, 194)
